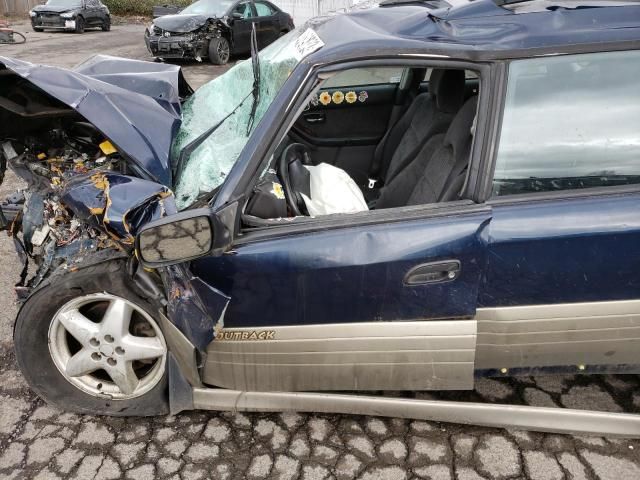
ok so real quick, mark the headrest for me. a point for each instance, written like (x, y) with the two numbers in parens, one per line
(447, 89)
(459, 135)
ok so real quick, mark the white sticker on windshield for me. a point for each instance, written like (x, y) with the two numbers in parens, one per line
(307, 43)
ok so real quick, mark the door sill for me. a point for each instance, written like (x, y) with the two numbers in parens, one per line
(540, 419)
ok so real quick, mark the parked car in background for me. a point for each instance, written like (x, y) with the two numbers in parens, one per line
(216, 29)
(72, 15)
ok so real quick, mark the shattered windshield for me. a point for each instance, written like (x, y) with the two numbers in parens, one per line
(216, 7)
(226, 103)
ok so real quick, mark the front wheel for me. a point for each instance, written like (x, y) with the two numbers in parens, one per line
(88, 343)
(79, 25)
(219, 51)
(106, 25)
(38, 29)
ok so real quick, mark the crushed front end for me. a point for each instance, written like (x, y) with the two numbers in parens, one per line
(80, 200)
(193, 44)
(86, 197)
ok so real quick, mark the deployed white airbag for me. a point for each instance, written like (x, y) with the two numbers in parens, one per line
(333, 191)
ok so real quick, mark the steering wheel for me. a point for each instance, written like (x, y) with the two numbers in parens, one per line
(295, 178)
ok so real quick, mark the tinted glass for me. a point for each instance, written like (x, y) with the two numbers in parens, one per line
(243, 9)
(263, 10)
(570, 122)
(206, 7)
(364, 76)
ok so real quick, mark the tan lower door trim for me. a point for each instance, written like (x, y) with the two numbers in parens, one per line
(580, 334)
(416, 355)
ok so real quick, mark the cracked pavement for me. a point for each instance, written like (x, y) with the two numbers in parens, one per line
(37, 441)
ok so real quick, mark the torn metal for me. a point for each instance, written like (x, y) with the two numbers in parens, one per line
(195, 307)
(92, 144)
(134, 104)
(79, 200)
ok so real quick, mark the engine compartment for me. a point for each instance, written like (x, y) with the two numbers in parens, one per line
(82, 199)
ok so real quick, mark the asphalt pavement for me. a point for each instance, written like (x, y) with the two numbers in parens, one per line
(37, 441)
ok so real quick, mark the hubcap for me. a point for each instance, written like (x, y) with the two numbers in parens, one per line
(107, 346)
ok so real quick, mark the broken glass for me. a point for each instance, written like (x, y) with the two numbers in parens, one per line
(228, 100)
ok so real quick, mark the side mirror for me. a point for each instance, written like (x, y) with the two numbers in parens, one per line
(237, 16)
(184, 236)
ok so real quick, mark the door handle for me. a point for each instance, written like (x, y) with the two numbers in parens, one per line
(435, 272)
(315, 118)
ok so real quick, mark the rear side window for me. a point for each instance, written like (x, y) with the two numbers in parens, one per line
(570, 122)
(263, 10)
(243, 9)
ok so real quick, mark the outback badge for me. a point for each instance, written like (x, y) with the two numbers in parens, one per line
(247, 335)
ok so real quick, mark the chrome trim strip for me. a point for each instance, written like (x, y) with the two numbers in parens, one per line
(541, 419)
(416, 355)
(581, 334)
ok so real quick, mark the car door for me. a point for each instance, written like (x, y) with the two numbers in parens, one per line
(242, 16)
(348, 118)
(562, 288)
(376, 300)
(266, 23)
(351, 306)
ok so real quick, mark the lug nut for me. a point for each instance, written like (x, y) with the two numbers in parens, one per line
(112, 362)
(108, 338)
(96, 356)
(94, 342)
(120, 350)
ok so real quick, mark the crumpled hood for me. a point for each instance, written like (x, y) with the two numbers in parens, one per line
(135, 104)
(54, 8)
(181, 23)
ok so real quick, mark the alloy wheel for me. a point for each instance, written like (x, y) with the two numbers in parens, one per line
(107, 346)
(223, 51)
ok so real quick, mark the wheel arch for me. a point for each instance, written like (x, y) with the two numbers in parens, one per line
(29, 330)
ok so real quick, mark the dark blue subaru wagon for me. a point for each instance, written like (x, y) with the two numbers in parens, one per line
(406, 196)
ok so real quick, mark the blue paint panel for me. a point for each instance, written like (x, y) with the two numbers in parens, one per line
(564, 251)
(128, 203)
(352, 274)
(479, 30)
(134, 104)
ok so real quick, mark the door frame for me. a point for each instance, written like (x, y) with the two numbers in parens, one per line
(288, 112)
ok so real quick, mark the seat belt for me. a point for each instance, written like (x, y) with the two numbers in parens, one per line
(457, 170)
(461, 164)
(376, 165)
(396, 113)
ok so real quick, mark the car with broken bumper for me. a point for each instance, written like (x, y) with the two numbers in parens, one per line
(216, 29)
(402, 197)
(70, 15)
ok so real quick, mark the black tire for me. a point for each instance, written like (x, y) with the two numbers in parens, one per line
(219, 51)
(79, 25)
(106, 25)
(32, 348)
(38, 29)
